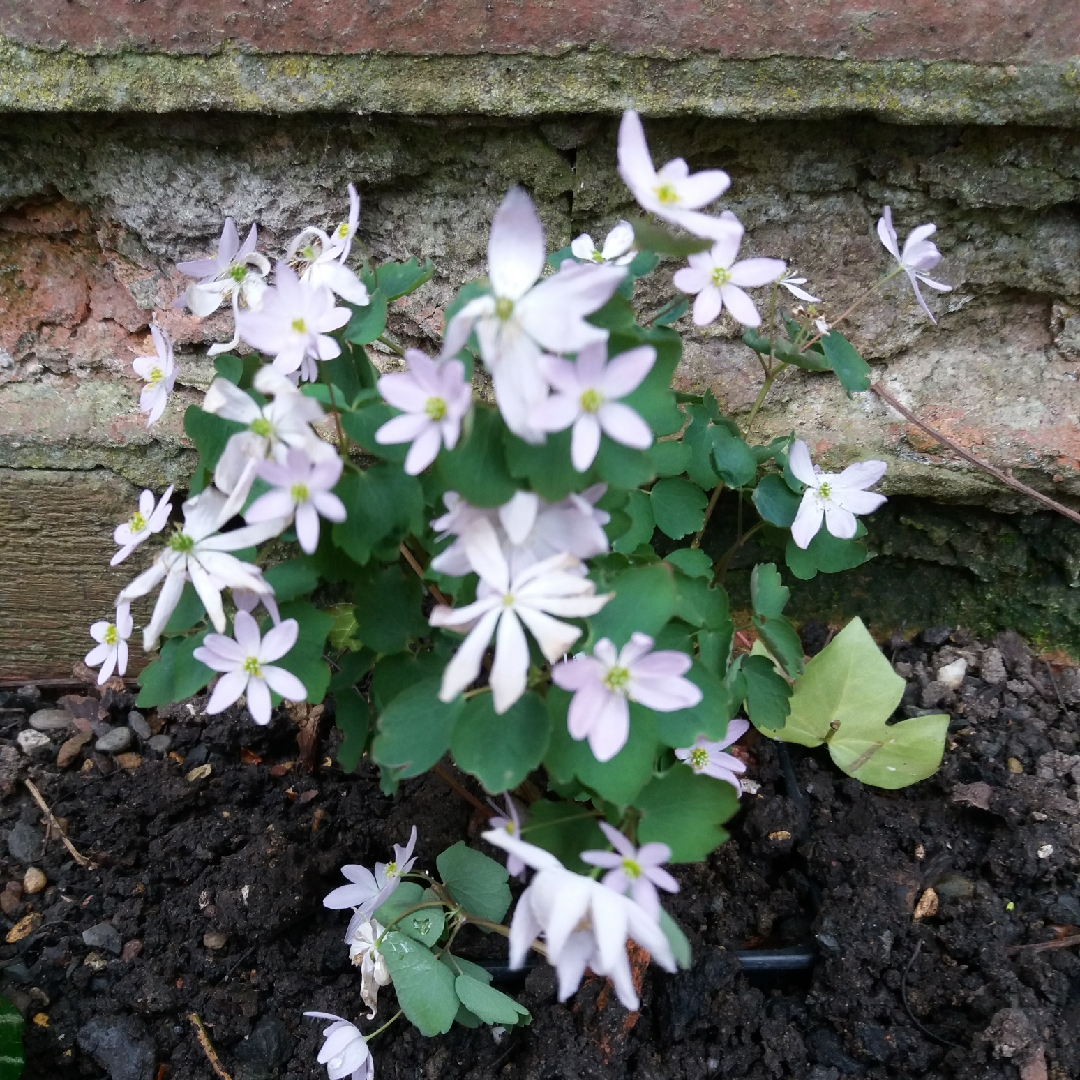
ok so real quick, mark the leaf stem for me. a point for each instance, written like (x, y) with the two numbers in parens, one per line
(714, 498)
(498, 928)
(844, 314)
(343, 443)
(380, 1030)
(393, 346)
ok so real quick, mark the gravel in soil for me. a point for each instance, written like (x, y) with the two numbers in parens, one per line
(215, 847)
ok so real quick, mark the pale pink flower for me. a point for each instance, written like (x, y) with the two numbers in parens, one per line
(604, 683)
(321, 258)
(920, 254)
(618, 246)
(294, 324)
(159, 371)
(548, 588)
(637, 871)
(433, 398)
(718, 280)
(111, 652)
(146, 521)
(302, 487)
(672, 193)
(247, 661)
(522, 315)
(708, 757)
(510, 823)
(368, 891)
(586, 396)
(345, 1052)
(835, 497)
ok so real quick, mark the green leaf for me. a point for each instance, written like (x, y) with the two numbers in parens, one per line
(672, 313)
(622, 466)
(653, 400)
(388, 608)
(490, 1005)
(175, 674)
(477, 883)
(11, 1041)
(678, 506)
(425, 988)
(500, 750)
(476, 468)
(644, 600)
(291, 579)
(617, 780)
(342, 636)
(384, 506)
(395, 674)
(809, 359)
(685, 811)
(642, 525)
(547, 467)
(648, 236)
(352, 667)
(825, 554)
(305, 658)
(733, 459)
(680, 946)
(424, 926)
(691, 561)
(851, 369)
(701, 603)
(460, 966)
(698, 438)
(352, 716)
(230, 368)
(209, 433)
(767, 593)
(714, 648)
(767, 693)
(845, 698)
(775, 501)
(395, 280)
(414, 729)
(368, 322)
(187, 613)
(565, 829)
(362, 425)
(782, 640)
(709, 717)
(670, 457)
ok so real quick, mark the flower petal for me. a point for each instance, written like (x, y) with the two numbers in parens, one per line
(515, 246)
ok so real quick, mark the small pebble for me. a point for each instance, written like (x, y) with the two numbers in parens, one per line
(129, 760)
(215, 939)
(115, 741)
(131, 949)
(1014, 766)
(11, 898)
(160, 744)
(34, 881)
(1045, 851)
(71, 749)
(51, 720)
(30, 741)
(24, 843)
(992, 667)
(952, 675)
(137, 723)
(103, 935)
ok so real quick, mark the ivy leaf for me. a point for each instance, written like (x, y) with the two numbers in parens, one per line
(388, 608)
(565, 829)
(768, 597)
(678, 506)
(685, 811)
(845, 698)
(425, 988)
(775, 501)
(500, 750)
(368, 322)
(490, 1005)
(767, 693)
(395, 280)
(851, 369)
(414, 729)
(644, 600)
(175, 674)
(384, 505)
(477, 883)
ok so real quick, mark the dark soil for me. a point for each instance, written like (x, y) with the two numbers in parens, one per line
(211, 890)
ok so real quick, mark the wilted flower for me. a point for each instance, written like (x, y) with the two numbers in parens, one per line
(521, 315)
(301, 487)
(510, 824)
(362, 938)
(294, 324)
(503, 603)
(919, 255)
(586, 396)
(718, 280)
(159, 371)
(369, 891)
(835, 497)
(617, 249)
(672, 193)
(345, 1052)
(434, 398)
(792, 285)
(321, 258)
(709, 758)
(605, 682)
(635, 870)
(146, 521)
(111, 652)
(248, 665)
(585, 924)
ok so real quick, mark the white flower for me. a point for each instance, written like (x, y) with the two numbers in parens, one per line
(605, 682)
(709, 758)
(248, 601)
(792, 285)
(835, 497)
(362, 937)
(586, 396)
(672, 193)
(369, 891)
(321, 258)
(529, 529)
(198, 553)
(919, 255)
(345, 1052)
(718, 280)
(248, 665)
(434, 398)
(146, 521)
(503, 603)
(112, 648)
(510, 824)
(521, 315)
(159, 371)
(584, 923)
(294, 324)
(618, 246)
(301, 487)
(634, 870)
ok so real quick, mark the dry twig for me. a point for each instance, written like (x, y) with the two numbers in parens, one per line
(82, 860)
(208, 1049)
(1042, 946)
(450, 780)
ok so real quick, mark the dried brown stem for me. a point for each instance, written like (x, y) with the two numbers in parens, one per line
(208, 1049)
(410, 558)
(1042, 946)
(995, 472)
(451, 782)
(82, 860)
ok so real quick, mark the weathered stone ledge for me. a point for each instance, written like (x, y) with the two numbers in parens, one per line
(575, 81)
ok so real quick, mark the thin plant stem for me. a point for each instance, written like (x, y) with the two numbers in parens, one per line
(417, 569)
(725, 560)
(498, 928)
(380, 1030)
(770, 378)
(844, 314)
(451, 782)
(342, 441)
(393, 346)
(714, 498)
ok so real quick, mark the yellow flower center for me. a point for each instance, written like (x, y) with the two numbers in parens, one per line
(299, 326)
(509, 827)
(261, 427)
(698, 759)
(238, 272)
(508, 601)
(824, 490)
(391, 869)
(342, 230)
(617, 678)
(309, 253)
(435, 408)
(631, 868)
(112, 635)
(137, 522)
(299, 493)
(591, 400)
(667, 194)
(180, 542)
(720, 276)
(596, 256)
(156, 375)
(251, 667)
(504, 308)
